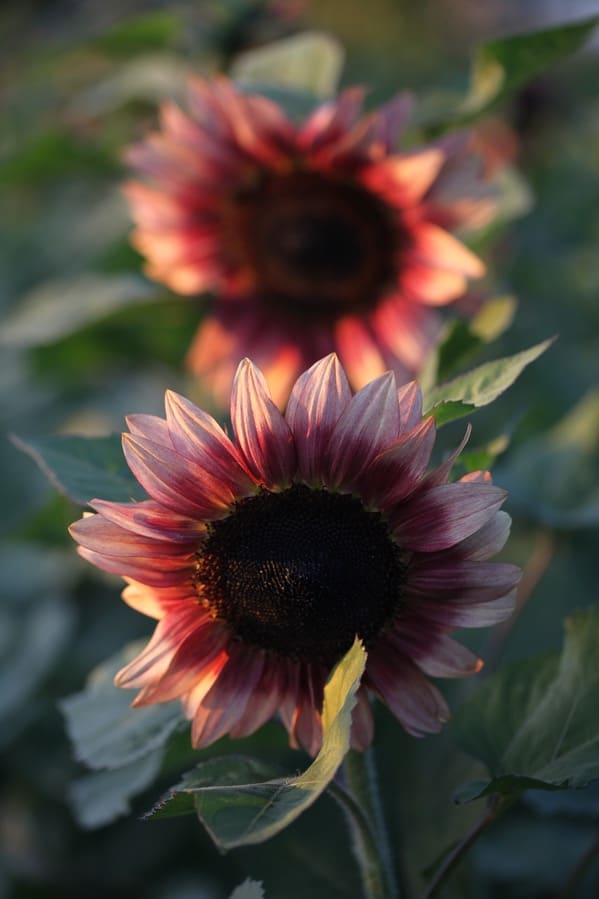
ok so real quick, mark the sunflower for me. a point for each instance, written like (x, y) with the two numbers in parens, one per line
(313, 238)
(264, 554)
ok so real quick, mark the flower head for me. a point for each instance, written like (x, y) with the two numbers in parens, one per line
(264, 554)
(315, 238)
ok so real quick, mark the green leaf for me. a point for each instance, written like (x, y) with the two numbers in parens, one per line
(84, 467)
(59, 308)
(236, 809)
(98, 798)
(555, 479)
(502, 66)
(534, 724)
(494, 318)
(462, 339)
(249, 889)
(105, 731)
(485, 456)
(479, 387)
(310, 63)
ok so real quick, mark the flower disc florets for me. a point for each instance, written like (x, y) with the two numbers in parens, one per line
(313, 238)
(262, 556)
(301, 572)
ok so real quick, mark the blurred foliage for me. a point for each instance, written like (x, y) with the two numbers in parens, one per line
(86, 339)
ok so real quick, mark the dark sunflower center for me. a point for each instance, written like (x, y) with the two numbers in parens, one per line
(301, 572)
(314, 246)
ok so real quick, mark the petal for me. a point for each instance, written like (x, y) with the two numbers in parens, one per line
(396, 472)
(156, 572)
(460, 580)
(362, 727)
(264, 701)
(487, 542)
(102, 536)
(467, 613)
(197, 435)
(437, 656)
(156, 602)
(443, 516)
(261, 431)
(408, 330)
(176, 482)
(435, 247)
(440, 474)
(150, 519)
(368, 425)
(391, 119)
(149, 427)
(410, 174)
(225, 703)
(410, 405)
(358, 350)
(149, 666)
(430, 286)
(317, 400)
(199, 658)
(331, 119)
(417, 704)
(307, 722)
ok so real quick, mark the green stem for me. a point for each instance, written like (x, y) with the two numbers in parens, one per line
(453, 858)
(361, 804)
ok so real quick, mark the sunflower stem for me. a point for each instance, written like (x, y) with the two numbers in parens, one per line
(361, 803)
(453, 858)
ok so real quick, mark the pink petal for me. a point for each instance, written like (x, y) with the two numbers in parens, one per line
(440, 475)
(150, 519)
(175, 481)
(317, 400)
(226, 701)
(156, 572)
(411, 174)
(358, 350)
(150, 427)
(264, 701)
(395, 473)
(149, 666)
(331, 119)
(460, 580)
(438, 657)
(487, 542)
(443, 516)
(196, 435)
(307, 722)
(410, 405)
(434, 246)
(154, 602)
(368, 425)
(467, 613)
(362, 728)
(261, 431)
(102, 536)
(417, 704)
(430, 286)
(408, 330)
(199, 658)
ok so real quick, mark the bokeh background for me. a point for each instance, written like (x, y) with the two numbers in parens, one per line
(84, 340)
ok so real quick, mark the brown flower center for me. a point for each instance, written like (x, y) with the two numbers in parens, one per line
(313, 247)
(301, 572)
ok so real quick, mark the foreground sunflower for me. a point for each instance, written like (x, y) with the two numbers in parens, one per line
(315, 238)
(264, 555)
